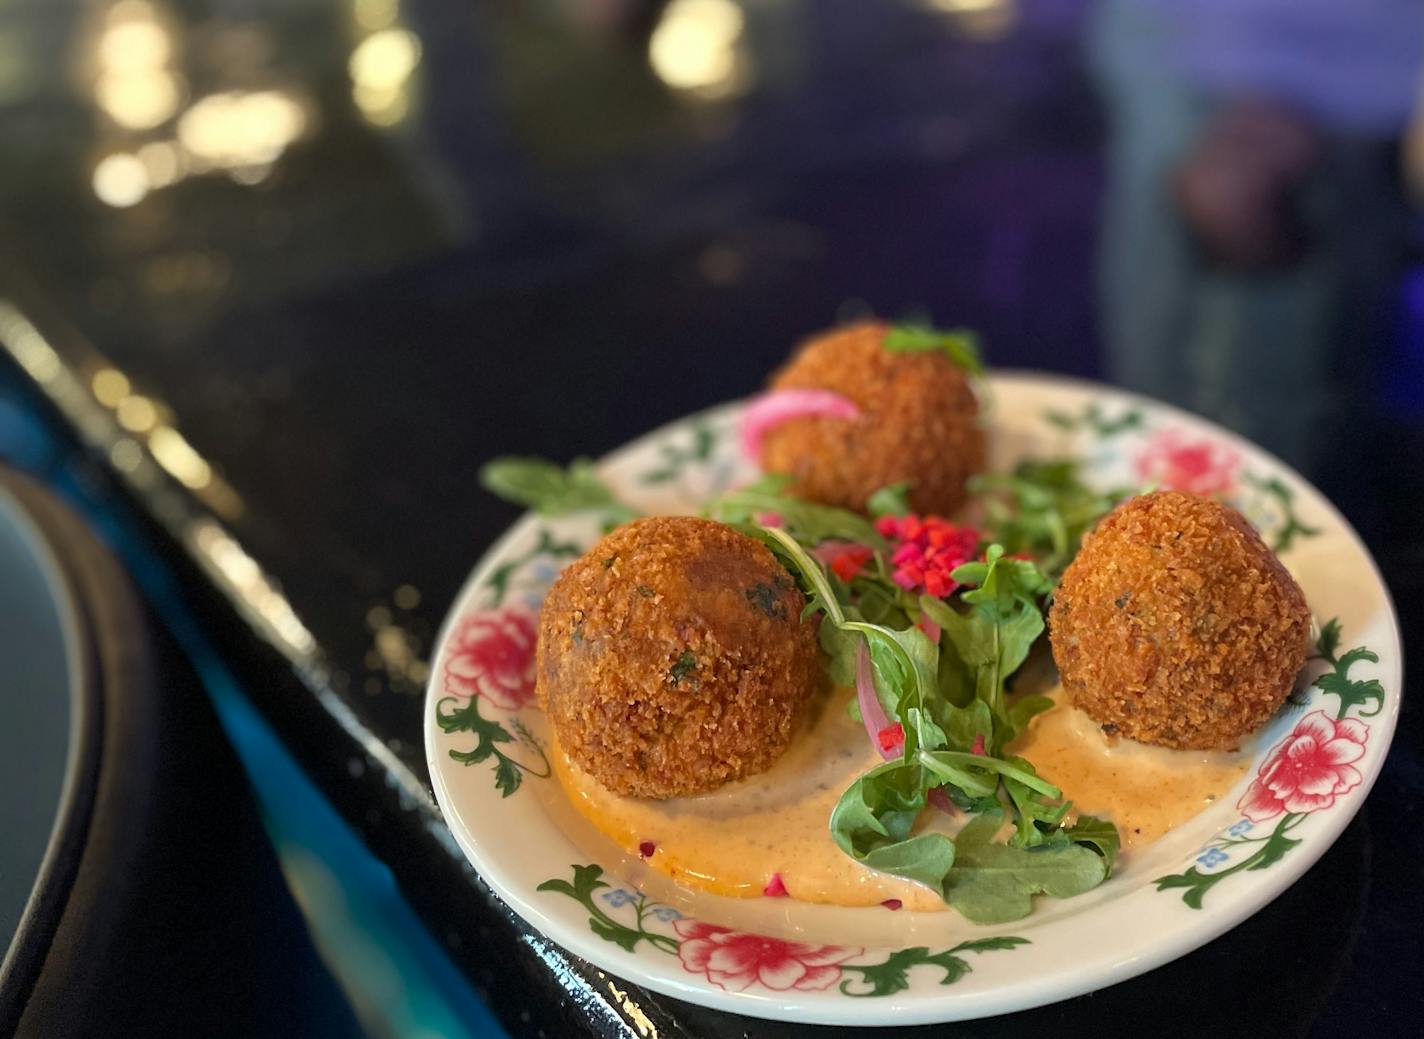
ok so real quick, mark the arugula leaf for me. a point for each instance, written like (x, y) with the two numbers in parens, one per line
(1042, 509)
(891, 500)
(982, 648)
(1097, 833)
(1022, 710)
(872, 820)
(815, 583)
(977, 768)
(840, 648)
(950, 700)
(1037, 818)
(992, 883)
(550, 489)
(904, 661)
(961, 345)
(809, 522)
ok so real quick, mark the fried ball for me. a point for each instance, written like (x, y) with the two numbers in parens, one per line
(672, 658)
(919, 422)
(1177, 626)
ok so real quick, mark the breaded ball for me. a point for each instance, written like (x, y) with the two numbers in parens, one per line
(1177, 626)
(919, 422)
(672, 657)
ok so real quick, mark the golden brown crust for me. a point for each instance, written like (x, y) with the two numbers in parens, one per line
(919, 422)
(1177, 626)
(672, 657)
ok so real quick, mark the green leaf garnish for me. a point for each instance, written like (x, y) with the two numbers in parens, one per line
(891, 500)
(686, 664)
(982, 648)
(809, 522)
(549, 489)
(951, 702)
(960, 345)
(992, 883)
(1042, 509)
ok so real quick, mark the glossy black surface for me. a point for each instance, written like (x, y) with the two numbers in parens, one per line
(508, 233)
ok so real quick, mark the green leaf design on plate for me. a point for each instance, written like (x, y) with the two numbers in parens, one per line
(499, 580)
(1286, 534)
(508, 771)
(892, 974)
(1273, 848)
(1095, 419)
(1337, 681)
(587, 880)
(676, 457)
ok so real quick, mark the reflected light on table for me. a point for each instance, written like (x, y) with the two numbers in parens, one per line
(256, 592)
(239, 133)
(695, 48)
(164, 163)
(240, 129)
(110, 386)
(136, 413)
(983, 19)
(381, 66)
(373, 15)
(134, 84)
(172, 451)
(120, 180)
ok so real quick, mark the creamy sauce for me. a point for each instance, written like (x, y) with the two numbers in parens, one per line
(732, 841)
(1145, 790)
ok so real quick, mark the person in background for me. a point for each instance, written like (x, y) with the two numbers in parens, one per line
(1255, 229)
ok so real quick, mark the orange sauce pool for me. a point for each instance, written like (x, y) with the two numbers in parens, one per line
(732, 841)
(1145, 790)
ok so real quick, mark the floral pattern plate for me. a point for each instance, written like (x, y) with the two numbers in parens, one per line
(778, 958)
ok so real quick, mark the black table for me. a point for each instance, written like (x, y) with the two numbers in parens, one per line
(371, 246)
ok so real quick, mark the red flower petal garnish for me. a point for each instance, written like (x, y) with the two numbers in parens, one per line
(926, 550)
(892, 737)
(775, 887)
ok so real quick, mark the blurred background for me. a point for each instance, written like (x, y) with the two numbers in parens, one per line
(276, 276)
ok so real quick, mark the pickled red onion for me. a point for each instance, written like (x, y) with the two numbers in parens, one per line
(871, 712)
(772, 409)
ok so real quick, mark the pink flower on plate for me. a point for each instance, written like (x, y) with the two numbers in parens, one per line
(1176, 462)
(492, 656)
(736, 960)
(1308, 769)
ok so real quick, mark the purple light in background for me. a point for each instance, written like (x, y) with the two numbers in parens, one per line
(1403, 388)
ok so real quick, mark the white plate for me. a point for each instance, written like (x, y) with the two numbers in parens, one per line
(782, 959)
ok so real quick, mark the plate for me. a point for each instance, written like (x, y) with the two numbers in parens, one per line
(788, 960)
